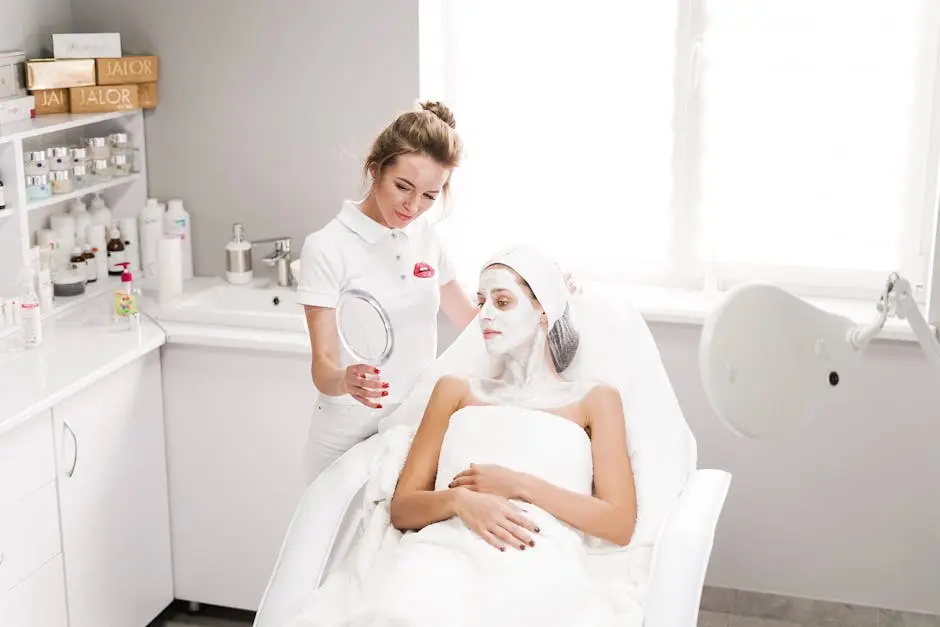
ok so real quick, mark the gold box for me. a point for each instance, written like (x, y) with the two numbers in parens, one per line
(59, 73)
(104, 98)
(127, 70)
(49, 101)
(147, 95)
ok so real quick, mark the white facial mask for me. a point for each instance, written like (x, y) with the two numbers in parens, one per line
(523, 375)
(514, 325)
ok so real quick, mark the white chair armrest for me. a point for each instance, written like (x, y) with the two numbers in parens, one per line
(682, 550)
(312, 534)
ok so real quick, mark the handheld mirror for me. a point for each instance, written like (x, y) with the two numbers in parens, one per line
(364, 327)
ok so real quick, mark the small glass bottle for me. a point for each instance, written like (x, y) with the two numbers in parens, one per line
(101, 170)
(116, 254)
(98, 147)
(91, 264)
(60, 158)
(37, 187)
(36, 163)
(78, 263)
(62, 181)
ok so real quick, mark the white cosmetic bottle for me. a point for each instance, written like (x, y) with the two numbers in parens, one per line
(150, 230)
(177, 223)
(30, 314)
(82, 219)
(101, 213)
(238, 258)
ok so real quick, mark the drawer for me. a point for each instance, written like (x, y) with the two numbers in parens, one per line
(37, 602)
(29, 536)
(27, 460)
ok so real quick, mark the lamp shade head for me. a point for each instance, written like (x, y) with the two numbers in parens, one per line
(769, 360)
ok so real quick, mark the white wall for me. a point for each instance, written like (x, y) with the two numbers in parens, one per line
(266, 111)
(266, 108)
(28, 24)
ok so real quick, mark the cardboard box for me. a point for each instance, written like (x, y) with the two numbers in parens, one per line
(50, 101)
(59, 73)
(17, 109)
(147, 95)
(127, 70)
(86, 45)
(12, 74)
(103, 98)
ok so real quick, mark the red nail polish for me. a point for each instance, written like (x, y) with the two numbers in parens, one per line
(385, 385)
(537, 530)
(378, 407)
(384, 393)
(376, 370)
(502, 548)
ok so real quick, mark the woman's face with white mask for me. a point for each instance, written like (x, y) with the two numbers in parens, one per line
(509, 317)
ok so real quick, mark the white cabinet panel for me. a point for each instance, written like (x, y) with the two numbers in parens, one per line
(37, 602)
(29, 535)
(27, 460)
(113, 499)
(236, 423)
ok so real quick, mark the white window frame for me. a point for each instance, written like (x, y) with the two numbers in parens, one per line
(683, 272)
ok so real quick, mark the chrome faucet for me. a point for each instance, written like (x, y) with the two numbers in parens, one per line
(280, 258)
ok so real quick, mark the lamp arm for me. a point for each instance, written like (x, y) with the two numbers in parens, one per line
(906, 308)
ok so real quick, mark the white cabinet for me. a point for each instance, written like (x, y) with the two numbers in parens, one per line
(39, 601)
(236, 425)
(113, 499)
(32, 587)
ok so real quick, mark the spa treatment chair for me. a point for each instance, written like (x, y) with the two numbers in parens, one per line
(663, 568)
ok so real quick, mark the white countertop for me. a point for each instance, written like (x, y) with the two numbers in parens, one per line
(79, 347)
(82, 346)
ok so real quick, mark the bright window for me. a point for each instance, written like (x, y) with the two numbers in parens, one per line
(682, 143)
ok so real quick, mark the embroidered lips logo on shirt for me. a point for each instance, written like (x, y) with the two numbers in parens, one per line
(423, 270)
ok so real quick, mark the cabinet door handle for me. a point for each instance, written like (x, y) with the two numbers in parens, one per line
(71, 470)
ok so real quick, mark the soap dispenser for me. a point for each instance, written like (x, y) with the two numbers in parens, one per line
(126, 306)
(238, 258)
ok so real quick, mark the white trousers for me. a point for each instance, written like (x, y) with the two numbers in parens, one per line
(334, 429)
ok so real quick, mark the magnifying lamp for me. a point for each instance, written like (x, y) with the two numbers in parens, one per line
(770, 360)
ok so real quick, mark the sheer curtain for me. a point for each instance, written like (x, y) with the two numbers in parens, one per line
(566, 113)
(814, 121)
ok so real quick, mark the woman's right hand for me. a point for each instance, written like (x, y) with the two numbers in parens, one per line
(495, 519)
(364, 383)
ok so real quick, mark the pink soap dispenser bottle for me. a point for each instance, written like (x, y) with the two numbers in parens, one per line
(126, 300)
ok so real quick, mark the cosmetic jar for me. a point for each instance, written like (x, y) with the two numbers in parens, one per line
(120, 165)
(36, 163)
(60, 158)
(121, 145)
(37, 187)
(80, 176)
(98, 147)
(79, 156)
(61, 181)
(100, 170)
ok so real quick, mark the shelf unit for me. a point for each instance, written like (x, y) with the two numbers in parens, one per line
(21, 220)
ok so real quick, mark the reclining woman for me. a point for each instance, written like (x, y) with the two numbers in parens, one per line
(507, 475)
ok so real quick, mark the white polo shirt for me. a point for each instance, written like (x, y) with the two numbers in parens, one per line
(402, 268)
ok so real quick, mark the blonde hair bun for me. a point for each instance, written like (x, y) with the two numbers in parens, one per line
(441, 111)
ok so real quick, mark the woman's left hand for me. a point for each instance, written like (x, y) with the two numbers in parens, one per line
(491, 479)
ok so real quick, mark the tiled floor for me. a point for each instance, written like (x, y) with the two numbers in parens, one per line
(178, 616)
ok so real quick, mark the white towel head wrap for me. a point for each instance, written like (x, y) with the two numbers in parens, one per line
(548, 284)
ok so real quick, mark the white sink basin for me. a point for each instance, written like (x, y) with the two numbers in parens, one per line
(260, 305)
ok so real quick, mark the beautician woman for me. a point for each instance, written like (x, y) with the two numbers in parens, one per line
(384, 245)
